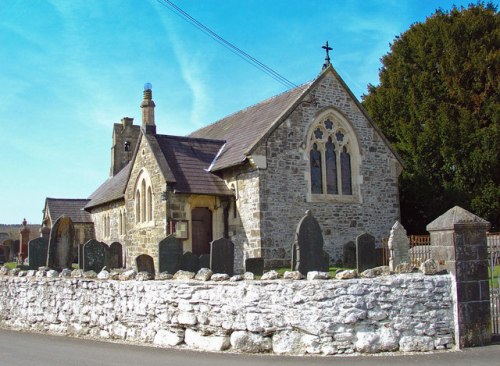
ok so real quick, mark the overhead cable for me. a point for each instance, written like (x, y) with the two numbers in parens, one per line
(228, 45)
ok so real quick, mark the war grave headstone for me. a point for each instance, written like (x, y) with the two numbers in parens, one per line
(349, 258)
(170, 255)
(145, 263)
(94, 255)
(222, 256)
(204, 260)
(255, 265)
(115, 255)
(37, 253)
(190, 262)
(308, 254)
(60, 252)
(365, 252)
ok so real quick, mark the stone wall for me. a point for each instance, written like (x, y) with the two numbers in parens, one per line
(284, 183)
(390, 313)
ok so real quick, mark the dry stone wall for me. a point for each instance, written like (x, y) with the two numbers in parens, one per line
(409, 312)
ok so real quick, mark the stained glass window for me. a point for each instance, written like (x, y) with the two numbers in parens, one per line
(331, 168)
(328, 124)
(318, 133)
(345, 166)
(316, 174)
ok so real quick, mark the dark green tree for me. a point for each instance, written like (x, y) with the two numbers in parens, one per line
(438, 102)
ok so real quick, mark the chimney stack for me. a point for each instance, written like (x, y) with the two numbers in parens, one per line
(148, 110)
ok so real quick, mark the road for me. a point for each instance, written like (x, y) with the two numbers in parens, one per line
(29, 349)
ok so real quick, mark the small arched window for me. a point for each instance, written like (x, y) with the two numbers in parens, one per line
(331, 145)
(137, 206)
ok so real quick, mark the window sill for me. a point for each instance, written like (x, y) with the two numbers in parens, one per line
(332, 198)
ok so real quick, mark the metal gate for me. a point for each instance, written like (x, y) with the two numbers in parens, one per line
(494, 273)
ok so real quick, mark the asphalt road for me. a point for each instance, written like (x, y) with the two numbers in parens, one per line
(27, 349)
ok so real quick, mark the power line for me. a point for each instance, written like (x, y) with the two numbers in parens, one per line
(228, 45)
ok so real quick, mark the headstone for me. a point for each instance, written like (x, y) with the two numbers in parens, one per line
(190, 262)
(365, 252)
(14, 249)
(145, 263)
(2, 254)
(115, 255)
(222, 256)
(94, 256)
(80, 256)
(37, 253)
(308, 254)
(60, 252)
(255, 265)
(170, 255)
(7, 249)
(399, 246)
(205, 261)
(349, 258)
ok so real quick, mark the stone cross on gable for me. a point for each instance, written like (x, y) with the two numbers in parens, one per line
(327, 58)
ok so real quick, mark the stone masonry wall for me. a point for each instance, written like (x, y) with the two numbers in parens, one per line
(390, 313)
(143, 238)
(284, 182)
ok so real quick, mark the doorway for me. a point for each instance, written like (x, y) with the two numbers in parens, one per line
(201, 223)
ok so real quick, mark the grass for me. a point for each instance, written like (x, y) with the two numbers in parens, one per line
(496, 277)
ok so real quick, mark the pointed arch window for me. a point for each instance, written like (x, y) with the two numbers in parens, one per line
(144, 203)
(331, 147)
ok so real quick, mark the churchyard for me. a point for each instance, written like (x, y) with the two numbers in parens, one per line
(199, 302)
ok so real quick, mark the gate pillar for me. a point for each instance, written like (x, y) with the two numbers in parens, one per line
(459, 245)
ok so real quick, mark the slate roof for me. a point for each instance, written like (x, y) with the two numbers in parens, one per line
(111, 190)
(243, 129)
(70, 207)
(189, 160)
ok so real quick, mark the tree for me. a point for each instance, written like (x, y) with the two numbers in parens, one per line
(438, 102)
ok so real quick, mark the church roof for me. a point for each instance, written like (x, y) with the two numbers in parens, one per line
(73, 208)
(188, 160)
(111, 190)
(243, 129)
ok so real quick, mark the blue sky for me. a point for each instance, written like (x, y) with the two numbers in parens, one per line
(70, 69)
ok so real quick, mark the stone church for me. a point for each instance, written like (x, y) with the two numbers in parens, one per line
(251, 176)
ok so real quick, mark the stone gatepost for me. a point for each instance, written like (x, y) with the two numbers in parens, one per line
(458, 244)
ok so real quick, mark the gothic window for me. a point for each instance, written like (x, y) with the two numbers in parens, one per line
(331, 146)
(345, 164)
(143, 199)
(120, 223)
(126, 146)
(316, 170)
(149, 204)
(137, 206)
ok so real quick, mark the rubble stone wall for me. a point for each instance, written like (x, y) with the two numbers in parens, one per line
(408, 312)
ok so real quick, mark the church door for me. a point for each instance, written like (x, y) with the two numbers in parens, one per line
(201, 218)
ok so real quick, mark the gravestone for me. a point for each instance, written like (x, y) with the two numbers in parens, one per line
(80, 256)
(349, 258)
(255, 265)
(2, 254)
(37, 253)
(7, 250)
(222, 256)
(366, 255)
(14, 250)
(308, 254)
(60, 252)
(115, 255)
(399, 246)
(94, 255)
(204, 261)
(170, 255)
(145, 263)
(190, 262)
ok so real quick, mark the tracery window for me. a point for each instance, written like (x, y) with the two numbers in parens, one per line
(143, 199)
(331, 147)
